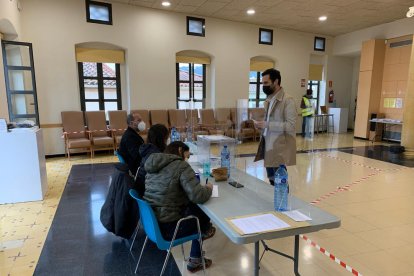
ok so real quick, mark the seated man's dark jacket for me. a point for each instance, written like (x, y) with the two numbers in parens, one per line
(119, 214)
(129, 149)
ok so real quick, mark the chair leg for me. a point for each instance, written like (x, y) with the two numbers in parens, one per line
(140, 255)
(135, 235)
(166, 261)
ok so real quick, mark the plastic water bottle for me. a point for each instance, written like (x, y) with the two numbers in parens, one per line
(189, 134)
(173, 134)
(225, 159)
(177, 135)
(281, 189)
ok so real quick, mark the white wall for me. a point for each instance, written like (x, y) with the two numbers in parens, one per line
(10, 28)
(350, 43)
(151, 39)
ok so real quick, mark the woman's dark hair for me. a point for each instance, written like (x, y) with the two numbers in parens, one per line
(158, 135)
(173, 148)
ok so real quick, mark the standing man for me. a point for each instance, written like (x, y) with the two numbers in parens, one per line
(307, 112)
(278, 141)
(131, 141)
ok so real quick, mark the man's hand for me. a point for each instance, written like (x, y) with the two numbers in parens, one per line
(209, 185)
(260, 124)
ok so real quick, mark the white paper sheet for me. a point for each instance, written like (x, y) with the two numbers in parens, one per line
(296, 215)
(259, 223)
(215, 191)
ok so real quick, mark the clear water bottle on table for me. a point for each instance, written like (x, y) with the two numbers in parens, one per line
(281, 189)
(225, 159)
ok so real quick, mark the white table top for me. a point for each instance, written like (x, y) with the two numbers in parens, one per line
(257, 197)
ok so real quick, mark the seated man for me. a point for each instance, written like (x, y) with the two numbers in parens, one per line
(131, 141)
(173, 191)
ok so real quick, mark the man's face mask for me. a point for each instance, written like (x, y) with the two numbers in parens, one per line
(267, 89)
(141, 126)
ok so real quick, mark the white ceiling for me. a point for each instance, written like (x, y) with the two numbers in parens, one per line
(344, 16)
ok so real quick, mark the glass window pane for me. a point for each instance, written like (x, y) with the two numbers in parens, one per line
(109, 70)
(253, 76)
(195, 26)
(89, 69)
(184, 91)
(198, 91)
(17, 55)
(266, 36)
(98, 12)
(20, 80)
(91, 93)
(184, 71)
(23, 104)
(252, 91)
(198, 72)
(92, 106)
(90, 83)
(252, 103)
(110, 94)
(183, 105)
(22, 120)
(111, 106)
(198, 105)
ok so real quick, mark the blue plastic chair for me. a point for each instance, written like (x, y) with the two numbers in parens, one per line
(120, 158)
(152, 231)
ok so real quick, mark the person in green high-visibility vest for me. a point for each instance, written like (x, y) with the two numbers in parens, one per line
(307, 112)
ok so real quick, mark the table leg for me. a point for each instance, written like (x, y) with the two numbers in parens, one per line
(256, 259)
(296, 256)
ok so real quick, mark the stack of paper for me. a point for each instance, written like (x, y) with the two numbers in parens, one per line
(3, 126)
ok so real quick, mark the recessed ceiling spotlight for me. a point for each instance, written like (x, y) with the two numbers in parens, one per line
(323, 18)
(251, 11)
(166, 3)
(410, 12)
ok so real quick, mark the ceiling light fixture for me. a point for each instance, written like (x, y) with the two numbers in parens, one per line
(323, 18)
(251, 11)
(166, 3)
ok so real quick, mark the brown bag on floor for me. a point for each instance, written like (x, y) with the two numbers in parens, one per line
(220, 174)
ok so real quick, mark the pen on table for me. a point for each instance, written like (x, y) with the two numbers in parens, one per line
(206, 180)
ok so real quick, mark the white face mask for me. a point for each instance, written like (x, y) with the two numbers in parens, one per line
(141, 126)
(168, 141)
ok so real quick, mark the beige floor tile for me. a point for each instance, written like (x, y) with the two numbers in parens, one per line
(384, 263)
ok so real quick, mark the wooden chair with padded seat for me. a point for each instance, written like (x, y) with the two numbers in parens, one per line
(208, 122)
(159, 116)
(146, 119)
(98, 131)
(178, 120)
(117, 125)
(258, 114)
(74, 133)
(241, 130)
(223, 118)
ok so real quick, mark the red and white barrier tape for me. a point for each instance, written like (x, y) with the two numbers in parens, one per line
(331, 256)
(350, 162)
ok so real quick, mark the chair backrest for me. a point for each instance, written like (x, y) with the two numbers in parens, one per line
(73, 124)
(324, 110)
(207, 116)
(192, 116)
(96, 121)
(223, 115)
(159, 116)
(257, 113)
(177, 117)
(118, 120)
(144, 116)
(148, 219)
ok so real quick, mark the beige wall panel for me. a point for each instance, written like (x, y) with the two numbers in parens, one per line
(407, 133)
(392, 55)
(399, 71)
(367, 55)
(405, 54)
(401, 89)
(389, 88)
(364, 87)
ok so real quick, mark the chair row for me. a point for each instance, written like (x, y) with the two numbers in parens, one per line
(88, 131)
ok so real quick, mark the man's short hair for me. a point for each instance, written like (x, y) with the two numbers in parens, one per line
(309, 92)
(130, 117)
(273, 75)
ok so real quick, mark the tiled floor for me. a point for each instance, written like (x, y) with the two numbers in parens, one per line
(374, 200)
